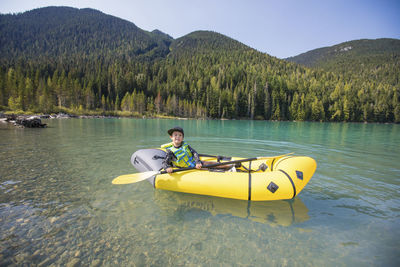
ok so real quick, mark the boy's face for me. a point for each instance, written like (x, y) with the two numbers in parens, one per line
(176, 138)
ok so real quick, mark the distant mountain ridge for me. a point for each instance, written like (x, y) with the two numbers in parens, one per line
(55, 31)
(66, 31)
(321, 57)
(378, 58)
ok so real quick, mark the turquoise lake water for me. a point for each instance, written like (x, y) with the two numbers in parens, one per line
(58, 206)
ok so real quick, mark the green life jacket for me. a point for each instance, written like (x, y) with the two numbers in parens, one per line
(184, 157)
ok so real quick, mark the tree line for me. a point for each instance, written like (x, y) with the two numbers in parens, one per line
(208, 84)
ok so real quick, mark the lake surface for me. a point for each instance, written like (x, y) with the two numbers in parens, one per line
(58, 206)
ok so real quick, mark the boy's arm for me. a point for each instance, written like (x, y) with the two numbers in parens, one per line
(168, 159)
(195, 155)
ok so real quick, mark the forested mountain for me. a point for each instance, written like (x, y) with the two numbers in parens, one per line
(371, 59)
(89, 62)
(63, 32)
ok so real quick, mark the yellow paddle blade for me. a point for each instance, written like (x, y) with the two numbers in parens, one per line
(134, 177)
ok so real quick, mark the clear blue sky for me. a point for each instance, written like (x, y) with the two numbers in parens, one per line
(281, 28)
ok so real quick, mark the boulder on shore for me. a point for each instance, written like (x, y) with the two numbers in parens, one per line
(30, 122)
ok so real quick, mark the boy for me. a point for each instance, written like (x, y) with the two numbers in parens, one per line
(180, 154)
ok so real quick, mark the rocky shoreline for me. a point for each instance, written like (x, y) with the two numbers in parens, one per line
(35, 121)
(23, 121)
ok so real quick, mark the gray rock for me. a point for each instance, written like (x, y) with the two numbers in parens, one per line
(31, 122)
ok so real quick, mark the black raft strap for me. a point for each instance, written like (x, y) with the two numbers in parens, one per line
(291, 181)
(250, 180)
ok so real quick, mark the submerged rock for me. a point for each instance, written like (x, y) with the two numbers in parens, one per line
(74, 262)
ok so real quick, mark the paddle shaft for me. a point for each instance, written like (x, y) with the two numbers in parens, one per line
(217, 157)
(212, 165)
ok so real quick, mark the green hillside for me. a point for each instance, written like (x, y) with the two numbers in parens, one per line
(84, 61)
(378, 59)
(64, 32)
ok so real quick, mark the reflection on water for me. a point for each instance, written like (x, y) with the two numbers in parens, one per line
(283, 213)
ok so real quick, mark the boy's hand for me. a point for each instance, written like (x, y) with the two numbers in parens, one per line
(169, 170)
(199, 165)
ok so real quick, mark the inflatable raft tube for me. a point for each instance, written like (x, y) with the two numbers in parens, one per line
(283, 178)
